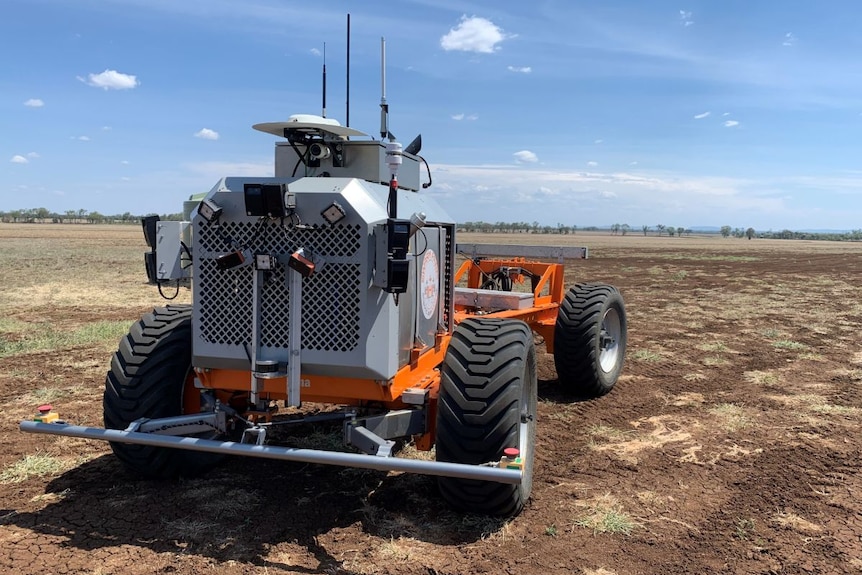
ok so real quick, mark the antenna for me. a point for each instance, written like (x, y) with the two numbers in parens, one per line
(384, 107)
(347, 103)
(324, 80)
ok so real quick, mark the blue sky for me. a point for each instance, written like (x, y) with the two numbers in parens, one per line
(592, 112)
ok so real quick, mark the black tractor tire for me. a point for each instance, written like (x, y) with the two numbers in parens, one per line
(590, 339)
(149, 374)
(487, 403)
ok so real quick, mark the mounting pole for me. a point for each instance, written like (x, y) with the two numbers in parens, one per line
(384, 107)
(347, 102)
(324, 80)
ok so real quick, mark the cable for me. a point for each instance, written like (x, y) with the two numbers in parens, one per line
(189, 254)
(161, 293)
(421, 231)
(427, 184)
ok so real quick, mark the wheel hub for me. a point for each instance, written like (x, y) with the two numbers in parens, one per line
(609, 336)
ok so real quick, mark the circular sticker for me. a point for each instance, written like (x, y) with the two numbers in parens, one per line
(429, 284)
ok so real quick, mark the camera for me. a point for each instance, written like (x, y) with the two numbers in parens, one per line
(318, 151)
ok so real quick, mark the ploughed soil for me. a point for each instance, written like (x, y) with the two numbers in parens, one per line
(730, 444)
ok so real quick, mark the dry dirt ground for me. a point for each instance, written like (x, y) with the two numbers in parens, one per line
(730, 445)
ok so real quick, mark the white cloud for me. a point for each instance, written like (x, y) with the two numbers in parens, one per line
(459, 117)
(598, 141)
(685, 18)
(726, 114)
(789, 39)
(106, 128)
(34, 103)
(635, 163)
(111, 80)
(315, 52)
(519, 193)
(83, 138)
(592, 164)
(206, 134)
(730, 123)
(526, 157)
(520, 69)
(702, 116)
(473, 34)
(124, 162)
(17, 159)
(33, 155)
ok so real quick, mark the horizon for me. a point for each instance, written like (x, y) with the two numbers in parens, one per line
(736, 114)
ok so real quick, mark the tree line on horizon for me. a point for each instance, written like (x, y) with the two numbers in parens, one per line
(658, 230)
(81, 216)
(44, 215)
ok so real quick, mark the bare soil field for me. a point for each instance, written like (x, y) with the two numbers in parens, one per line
(730, 444)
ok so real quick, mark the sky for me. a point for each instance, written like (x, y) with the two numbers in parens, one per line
(574, 112)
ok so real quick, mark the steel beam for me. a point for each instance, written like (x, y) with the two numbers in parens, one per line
(439, 468)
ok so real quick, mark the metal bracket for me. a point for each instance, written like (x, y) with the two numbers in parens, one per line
(254, 435)
(511, 251)
(181, 424)
(373, 434)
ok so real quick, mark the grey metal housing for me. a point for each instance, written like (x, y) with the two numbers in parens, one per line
(350, 327)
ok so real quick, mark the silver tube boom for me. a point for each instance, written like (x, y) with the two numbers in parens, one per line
(440, 468)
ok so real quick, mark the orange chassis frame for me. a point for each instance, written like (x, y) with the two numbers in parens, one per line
(423, 370)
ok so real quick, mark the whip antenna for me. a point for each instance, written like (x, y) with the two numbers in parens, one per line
(347, 103)
(384, 107)
(324, 80)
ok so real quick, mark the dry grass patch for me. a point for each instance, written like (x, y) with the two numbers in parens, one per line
(599, 571)
(854, 375)
(715, 361)
(191, 530)
(646, 355)
(765, 378)
(689, 399)
(795, 522)
(48, 498)
(650, 433)
(789, 344)
(605, 515)
(36, 465)
(818, 404)
(45, 337)
(732, 417)
(714, 347)
(44, 395)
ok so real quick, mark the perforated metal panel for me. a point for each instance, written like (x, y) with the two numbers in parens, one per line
(331, 297)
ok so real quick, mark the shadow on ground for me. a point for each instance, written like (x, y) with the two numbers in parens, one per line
(242, 509)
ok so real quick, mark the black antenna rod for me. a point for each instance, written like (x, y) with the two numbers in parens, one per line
(347, 119)
(324, 79)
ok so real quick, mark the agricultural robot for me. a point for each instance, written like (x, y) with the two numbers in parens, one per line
(338, 285)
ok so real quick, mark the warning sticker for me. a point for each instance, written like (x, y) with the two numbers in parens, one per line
(430, 284)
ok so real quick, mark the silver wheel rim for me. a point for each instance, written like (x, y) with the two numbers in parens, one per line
(609, 340)
(527, 431)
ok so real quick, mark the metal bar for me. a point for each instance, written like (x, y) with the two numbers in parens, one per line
(516, 251)
(294, 363)
(255, 335)
(440, 468)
